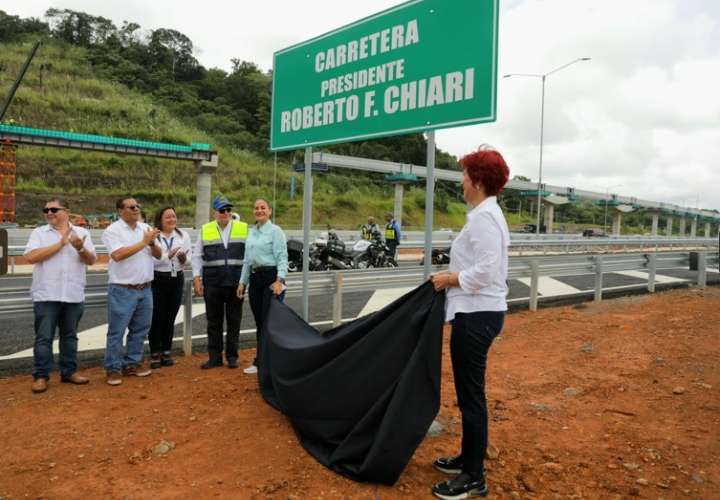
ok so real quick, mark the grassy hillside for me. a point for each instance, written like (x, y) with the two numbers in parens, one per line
(66, 95)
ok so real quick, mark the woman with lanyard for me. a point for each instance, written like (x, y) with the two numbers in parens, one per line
(475, 306)
(167, 286)
(265, 266)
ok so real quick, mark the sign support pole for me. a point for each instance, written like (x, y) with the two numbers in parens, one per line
(307, 221)
(429, 202)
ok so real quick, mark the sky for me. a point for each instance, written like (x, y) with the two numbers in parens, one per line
(641, 118)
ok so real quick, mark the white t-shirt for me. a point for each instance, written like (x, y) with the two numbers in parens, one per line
(134, 270)
(61, 278)
(182, 241)
(480, 255)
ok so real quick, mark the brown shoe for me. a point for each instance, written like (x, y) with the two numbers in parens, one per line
(114, 378)
(74, 379)
(136, 371)
(39, 385)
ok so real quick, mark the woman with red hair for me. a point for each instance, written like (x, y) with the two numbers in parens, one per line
(476, 291)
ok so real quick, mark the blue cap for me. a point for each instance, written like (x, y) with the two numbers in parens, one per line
(221, 202)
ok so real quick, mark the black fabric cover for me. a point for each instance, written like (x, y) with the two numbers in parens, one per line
(362, 396)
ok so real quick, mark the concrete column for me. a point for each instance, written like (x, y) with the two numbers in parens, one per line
(549, 217)
(399, 191)
(693, 228)
(669, 230)
(655, 221)
(707, 229)
(204, 190)
(682, 226)
(617, 223)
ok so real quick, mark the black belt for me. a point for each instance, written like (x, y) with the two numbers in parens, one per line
(264, 269)
(140, 286)
(167, 274)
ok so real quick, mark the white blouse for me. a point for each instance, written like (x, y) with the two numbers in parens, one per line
(480, 255)
(175, 240)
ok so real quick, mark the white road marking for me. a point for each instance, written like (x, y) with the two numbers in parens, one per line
(550, 287)
(381, 298)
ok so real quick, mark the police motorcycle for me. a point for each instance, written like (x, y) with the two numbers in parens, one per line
(373, 253)
(440, 257)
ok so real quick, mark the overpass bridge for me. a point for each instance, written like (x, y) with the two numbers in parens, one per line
(402, 173)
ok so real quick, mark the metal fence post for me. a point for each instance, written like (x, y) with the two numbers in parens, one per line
(338, 300)
(598, 277)
(652, 269)
(702, 269)
(12, 265)
(187, 318)
(534, 284)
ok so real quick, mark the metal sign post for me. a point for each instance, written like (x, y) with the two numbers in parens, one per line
(429, 202)
(307, 222)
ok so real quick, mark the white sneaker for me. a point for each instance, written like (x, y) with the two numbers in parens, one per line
(250, 370)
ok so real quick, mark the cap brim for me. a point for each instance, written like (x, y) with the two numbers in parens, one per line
(224, 206)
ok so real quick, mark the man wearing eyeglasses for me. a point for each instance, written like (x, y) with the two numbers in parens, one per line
(131, 245)
(60, 253)
(217, 264)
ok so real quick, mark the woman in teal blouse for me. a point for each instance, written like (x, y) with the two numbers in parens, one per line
(265, 266)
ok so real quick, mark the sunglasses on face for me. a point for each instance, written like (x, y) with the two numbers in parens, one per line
(225, 210)
(53, 210)
(133, 207)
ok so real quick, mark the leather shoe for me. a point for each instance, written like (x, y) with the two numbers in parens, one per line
(39, 385)
(463, 486)
(233, 363)
(211, 364)
(74, 379)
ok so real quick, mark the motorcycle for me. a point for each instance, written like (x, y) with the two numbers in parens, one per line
(373, 253)
(440, 257)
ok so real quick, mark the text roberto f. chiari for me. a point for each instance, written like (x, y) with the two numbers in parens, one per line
(399, 97)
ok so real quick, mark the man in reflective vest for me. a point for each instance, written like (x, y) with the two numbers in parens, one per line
(368, 230)
(217, 264)
(392, 233)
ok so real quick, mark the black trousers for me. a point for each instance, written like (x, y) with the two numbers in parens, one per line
(392, 245)
(167, 297)
(222, 302)
(472, 336)
(260, 293)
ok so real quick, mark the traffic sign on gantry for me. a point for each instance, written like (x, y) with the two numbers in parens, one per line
(423, 65)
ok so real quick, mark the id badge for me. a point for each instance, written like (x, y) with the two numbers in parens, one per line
(173, 273)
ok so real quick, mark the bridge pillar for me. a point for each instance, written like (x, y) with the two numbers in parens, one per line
(682, 227)
(655, 222)
(399, 192)
(205, 169)
(707, 229)
(668, 231)
(693, 228)
(549, 217)
(617, 223)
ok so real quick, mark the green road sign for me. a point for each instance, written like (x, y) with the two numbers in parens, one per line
(423, 65)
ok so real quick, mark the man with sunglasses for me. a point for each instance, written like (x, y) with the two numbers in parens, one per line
(217, 263)
(60, 253)
(131, 245)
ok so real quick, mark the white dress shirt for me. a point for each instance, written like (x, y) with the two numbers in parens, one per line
(61, 278)
(167, 243)
(197, 256)
(136, 269)
(480, 255)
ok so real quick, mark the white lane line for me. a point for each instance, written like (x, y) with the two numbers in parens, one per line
(550, 287)
(381, 298)
(643, 275)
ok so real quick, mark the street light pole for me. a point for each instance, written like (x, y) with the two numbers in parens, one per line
(542, 77)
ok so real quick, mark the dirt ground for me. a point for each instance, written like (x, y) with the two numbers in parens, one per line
(609, 400)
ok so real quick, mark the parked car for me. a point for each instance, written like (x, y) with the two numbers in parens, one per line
(594, 233)
(532, 228)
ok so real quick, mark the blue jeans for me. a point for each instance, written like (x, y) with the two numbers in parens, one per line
(50, 316)
(132, 310)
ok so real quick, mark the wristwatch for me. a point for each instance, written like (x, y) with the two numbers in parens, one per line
(281, 280)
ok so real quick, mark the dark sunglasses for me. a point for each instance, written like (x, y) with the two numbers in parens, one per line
(225, 210)
(53, 210)
(134, 207)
